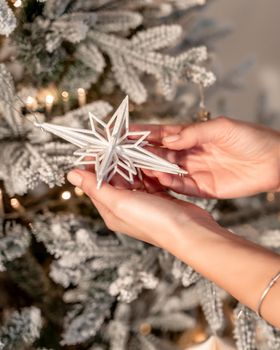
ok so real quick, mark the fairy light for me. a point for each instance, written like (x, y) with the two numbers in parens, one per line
(65, 100)
(49, 100)
(270, 196)
(145, 328)
(65, 96)
(31, 103)
(199, 336)
(2, 212)
(17, 3)
(15, 203)
(66, 195)
(81, 96)
(78, 191)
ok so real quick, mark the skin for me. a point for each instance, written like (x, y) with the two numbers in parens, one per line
(216, 154)
(225, 159)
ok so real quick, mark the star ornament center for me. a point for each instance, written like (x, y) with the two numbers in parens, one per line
(112, 148)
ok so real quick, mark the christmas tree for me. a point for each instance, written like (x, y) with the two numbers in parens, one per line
(67, 281)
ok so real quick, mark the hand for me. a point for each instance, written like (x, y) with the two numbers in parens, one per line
(153, 218)
(224, 158)
(191, 234)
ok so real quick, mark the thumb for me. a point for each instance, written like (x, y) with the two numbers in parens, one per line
(86, 180)
(198, 134)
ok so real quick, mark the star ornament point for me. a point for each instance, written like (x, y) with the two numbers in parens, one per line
(112, 148)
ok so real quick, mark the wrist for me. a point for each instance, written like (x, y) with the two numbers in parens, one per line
(187, 235)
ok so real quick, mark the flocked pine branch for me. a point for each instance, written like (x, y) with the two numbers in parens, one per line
(9, 105)
(84, 324)
(186, 4)
(271, 335)
(76, 247)
(78, 118)
(211, 302)
(139, 54)
(270, 239)
(24, 271)
(92, 263)
(26, 165)
(29, 155)
(103, 263)
(21, 329)
(81, 253)
(134, 325)
(7, 19)
(134, 275)
(184, 273)
(81, 260)
(65, 21)
(97, 30)
(13, 244)
(245, 328)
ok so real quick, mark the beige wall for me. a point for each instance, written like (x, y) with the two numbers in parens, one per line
(256, 31)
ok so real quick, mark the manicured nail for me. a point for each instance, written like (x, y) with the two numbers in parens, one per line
(75, 178)
(171, 138)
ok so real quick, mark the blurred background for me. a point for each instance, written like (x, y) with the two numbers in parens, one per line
(255, 33)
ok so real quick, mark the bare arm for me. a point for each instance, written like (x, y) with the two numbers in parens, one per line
(242, 268)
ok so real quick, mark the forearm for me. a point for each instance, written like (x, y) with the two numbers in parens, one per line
(240, 267)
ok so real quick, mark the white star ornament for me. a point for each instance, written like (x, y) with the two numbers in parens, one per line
(108, 147)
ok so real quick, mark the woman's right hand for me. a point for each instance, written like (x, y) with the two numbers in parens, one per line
(225, 158)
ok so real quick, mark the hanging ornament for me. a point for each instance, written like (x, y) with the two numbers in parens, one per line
(109, 147)
(213, 343)
(203, 115)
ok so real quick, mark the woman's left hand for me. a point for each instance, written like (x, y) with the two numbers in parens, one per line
(153, 217)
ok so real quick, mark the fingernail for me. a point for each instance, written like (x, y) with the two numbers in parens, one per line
(75, 178)
(171, 138)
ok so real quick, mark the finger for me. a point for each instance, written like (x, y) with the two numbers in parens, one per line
(147, 172)
(157, 132)
(119, 182)
(107, 194)
(181, 184)
(191, 160)
(175, 157)
(115, 223)
(147, 184)
(207, 185)
(90, 167)
(198, 134)
(152, 185)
